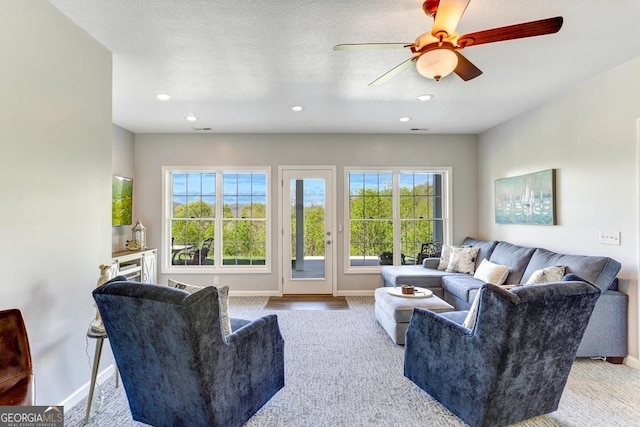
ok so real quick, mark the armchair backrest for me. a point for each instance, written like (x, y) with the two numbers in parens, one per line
(168, 344)
(513, 363)
(178, 367)
(529, 337)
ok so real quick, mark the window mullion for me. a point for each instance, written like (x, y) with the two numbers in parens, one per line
(397, 226)
(217, 242)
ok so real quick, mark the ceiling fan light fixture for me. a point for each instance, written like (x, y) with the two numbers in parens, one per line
(437, 63)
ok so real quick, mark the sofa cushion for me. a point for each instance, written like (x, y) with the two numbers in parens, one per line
(597, 270)
(486, 247)
(572, 278)
(516, 257)
(463, 260)
(461, 285)
(492, 273)
(415, 275)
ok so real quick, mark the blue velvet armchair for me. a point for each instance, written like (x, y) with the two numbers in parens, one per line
(177, 366)
(514, 362)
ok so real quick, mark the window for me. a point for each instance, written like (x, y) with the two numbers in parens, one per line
(392, 213)
(370, 217)
(204, 234)
(244, 227)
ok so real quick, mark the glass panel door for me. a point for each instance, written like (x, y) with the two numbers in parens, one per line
(307, 231)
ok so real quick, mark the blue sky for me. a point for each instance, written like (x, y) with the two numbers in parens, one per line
(238, 186)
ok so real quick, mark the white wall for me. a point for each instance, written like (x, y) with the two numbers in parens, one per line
(55, 168)
(123, 165)
(589, 136)
(154, 151)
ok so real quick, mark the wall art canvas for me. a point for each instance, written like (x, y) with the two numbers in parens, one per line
(121, 201)
(526, 199)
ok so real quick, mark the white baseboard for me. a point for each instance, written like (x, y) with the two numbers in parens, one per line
(364, 293)
(75, 397)
(368, 293)
(255, 294)
(632, 362)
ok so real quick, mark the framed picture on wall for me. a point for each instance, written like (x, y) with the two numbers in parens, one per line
(526, 199)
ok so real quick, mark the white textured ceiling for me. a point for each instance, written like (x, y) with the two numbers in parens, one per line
(239, 65)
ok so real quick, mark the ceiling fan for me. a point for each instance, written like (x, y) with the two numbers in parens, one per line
(437, 53)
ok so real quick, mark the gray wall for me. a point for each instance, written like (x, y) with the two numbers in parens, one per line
(55, 175)
(152, 151)
(590, 136)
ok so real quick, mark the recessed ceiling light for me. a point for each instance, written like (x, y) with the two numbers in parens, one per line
(191, 118)
(297, 108)
(405, 119)
(163, 96)
(425, 97)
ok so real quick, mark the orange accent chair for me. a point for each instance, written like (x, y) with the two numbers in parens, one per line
(17, 387)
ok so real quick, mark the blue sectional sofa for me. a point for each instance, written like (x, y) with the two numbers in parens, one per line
(606, 333)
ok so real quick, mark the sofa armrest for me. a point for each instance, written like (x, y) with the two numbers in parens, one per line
(606, 333)
(431, 263)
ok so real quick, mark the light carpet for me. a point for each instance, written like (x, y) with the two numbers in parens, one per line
(341, 369)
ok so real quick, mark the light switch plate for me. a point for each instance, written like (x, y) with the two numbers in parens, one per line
(609, 238)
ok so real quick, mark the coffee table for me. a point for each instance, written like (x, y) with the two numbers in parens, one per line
(393, 310)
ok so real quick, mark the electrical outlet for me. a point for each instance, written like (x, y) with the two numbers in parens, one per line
(609, 238)
(216, 280)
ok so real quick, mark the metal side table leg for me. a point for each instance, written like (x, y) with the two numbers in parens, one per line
(94, 374)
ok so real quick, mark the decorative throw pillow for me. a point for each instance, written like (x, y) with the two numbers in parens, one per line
(470, 320)
(184, 286)
(545, 275)
(223, 301)
(444, 256)
(463, 260)
(223, 298)
(490, 272)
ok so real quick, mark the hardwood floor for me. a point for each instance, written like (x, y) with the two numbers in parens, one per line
(307, 302)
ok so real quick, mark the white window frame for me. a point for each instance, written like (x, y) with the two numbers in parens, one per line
(167, 267)
(396, 171)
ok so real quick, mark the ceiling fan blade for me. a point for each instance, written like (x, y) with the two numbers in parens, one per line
(465, 69)
(448, 16)
(392, 73)
(510, 32)
(357, 46)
